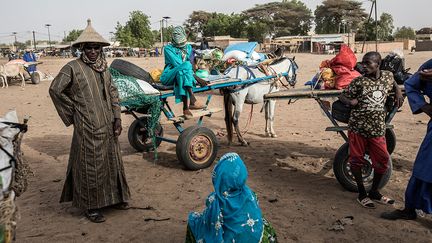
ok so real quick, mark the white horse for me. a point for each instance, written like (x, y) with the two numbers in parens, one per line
(254, 94)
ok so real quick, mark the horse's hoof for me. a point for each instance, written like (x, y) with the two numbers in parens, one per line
(274, 136)
(245, 144)
(268, 134)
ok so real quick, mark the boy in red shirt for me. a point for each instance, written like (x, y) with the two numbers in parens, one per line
(367, 95)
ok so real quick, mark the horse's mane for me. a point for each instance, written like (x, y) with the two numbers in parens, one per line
(278, 60)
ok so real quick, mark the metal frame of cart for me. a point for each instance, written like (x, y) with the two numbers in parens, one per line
(196, 146)
(341, 166)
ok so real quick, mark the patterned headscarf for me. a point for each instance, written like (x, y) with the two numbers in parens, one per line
(100, 65)
(179, 36)
(232, 213)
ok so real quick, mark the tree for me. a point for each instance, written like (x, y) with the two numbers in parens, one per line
(280, 18)
(72, 35)
(404, 33)
(196, 22)
(333, 16)
(136, 32)
(385, 29)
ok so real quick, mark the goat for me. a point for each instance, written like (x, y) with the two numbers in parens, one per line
(12, 70)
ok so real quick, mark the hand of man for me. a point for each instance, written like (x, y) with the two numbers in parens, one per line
(117, 128)
(426, 74)
(427, 109)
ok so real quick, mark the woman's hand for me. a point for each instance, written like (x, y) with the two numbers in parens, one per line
(117, 128)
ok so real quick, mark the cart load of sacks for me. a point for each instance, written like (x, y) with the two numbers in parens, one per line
(338, 72)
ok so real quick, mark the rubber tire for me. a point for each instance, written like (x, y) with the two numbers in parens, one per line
(341, 161)
(183, 148)
(35, 78)
(390, 140)
(135, 137)
(130, 69)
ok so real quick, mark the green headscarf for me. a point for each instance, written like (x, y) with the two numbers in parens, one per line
(179, 36)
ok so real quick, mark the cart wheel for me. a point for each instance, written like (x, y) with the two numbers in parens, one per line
(390, 140)
(342, 171)
(138, 136)
(35, 78)
(197, 147)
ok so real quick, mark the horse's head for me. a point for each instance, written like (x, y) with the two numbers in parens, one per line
(286, 65)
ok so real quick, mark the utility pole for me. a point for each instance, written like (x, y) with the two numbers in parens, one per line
(161, 31)
(34, 40)
(376, 26)
(15, 42)
(49, 35)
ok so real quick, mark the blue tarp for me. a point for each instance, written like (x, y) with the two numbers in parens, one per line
(246, 47)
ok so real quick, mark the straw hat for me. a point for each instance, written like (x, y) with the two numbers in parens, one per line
(90, 35)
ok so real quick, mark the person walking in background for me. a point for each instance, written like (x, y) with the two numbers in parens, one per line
(85, 97)
(418, 194)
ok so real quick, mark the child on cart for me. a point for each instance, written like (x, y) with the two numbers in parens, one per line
(367, 95)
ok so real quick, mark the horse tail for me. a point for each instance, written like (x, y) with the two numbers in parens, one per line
(228, 104)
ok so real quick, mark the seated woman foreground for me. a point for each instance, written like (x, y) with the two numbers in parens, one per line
(232, 212)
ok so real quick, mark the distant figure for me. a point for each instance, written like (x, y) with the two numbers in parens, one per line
(204, 44)
(29, 56)
(156, 52)
(232, 212)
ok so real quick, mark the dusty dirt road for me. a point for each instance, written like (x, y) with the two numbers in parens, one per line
(294, 171)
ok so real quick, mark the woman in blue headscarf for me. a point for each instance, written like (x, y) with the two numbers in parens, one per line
(232, 212)
(178, 71)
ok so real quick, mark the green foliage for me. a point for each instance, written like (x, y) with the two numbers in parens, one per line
(196, 22)
(335, 16)
(384, 26)
(136, 32)
(72, 35)
(404, 33)
(281, 18)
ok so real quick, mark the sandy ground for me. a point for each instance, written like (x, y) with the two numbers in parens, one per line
(293, 171)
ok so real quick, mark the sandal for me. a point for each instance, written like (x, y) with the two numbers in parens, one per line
(95, 216)
(384, 200)
(121, 206)
(366, 203)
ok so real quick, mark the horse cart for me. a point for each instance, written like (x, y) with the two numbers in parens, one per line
(13, 172)
(196, 145)
(339, 113)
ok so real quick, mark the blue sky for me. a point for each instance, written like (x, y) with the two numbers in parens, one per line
(67, 15)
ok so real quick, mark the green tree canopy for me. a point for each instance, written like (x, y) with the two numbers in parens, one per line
(333, 16)
(404, 33)
(196, 22)
(280, 18)
(72, 35)
(385, 29)
(136, 32)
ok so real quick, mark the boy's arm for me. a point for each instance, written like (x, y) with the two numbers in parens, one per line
(347, 101)
(349, 95)
(399, 99)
